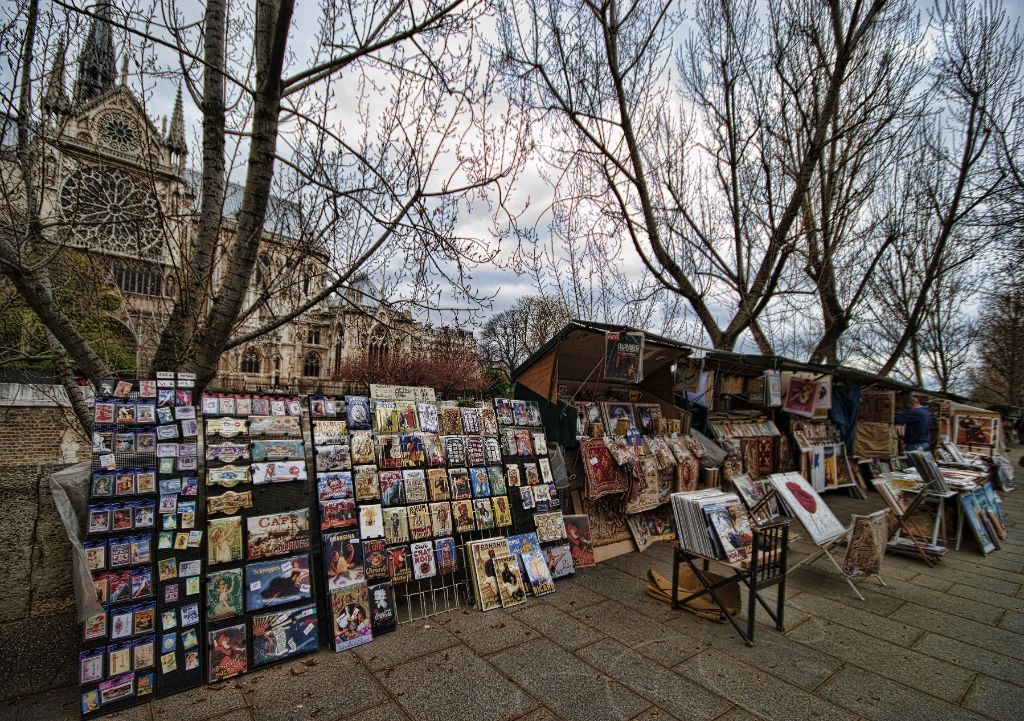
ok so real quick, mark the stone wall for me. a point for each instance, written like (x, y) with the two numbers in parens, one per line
(33, 435)
(39, 631)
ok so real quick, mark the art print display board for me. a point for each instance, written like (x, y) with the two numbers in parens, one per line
(338, 486)
(120, 646)
(259, 589)
(803, 501)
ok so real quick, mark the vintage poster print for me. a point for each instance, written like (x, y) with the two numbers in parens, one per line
(371, 521)
(396, 525)
(437, 484)
(510, 581)
(461, 487)
(343, 559)
(383, 609)
(624, 357)
(550, 526)
(273, 583)
(502, 511)
(415, 486)
(801, 397)
(503, 411)
(363, 448)
(463, 513)
(357, 412)
(475, 453)
(367, 483)
(483, 556)
(284, 634)
(423, 559)
(276, 534)
(538, 575)
(433, 451)
(227, 652)
(375, 560)
(419, 522)
(447, 555)
(392, 488)
(428, 417)
(559, 560)
(224, 596)
(225, 540)
(441, 518)
(350, 617)
(577, 532)
(399, 564)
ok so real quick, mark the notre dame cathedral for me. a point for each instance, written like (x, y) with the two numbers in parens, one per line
(120, 187)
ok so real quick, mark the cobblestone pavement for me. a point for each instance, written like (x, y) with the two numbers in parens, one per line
(936, 643)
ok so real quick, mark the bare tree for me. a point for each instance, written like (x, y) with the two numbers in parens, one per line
(379, 185)
(599, 71)
(956, 176)
(509, 337)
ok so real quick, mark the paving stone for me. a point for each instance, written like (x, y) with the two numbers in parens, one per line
(488, 632)
(954, 566)
(455, 684)
(387, 712)
(321, 687)
(572, 594)
(996, 585)
(972, 632)
(1012, 621)
(829, 584)
(914, 669)
(998, 600)
(541, 714)
(680, 697)
(239, 714)
(773, 653)
(984, 661)
(881, 699)
(565, 684)
(955, 605)
(198, 704)
(654, 714)
(61, 704)
(852, 617)
(557, 626)
(637, 565)
(935, 584)
(409, 641)
(613, 583)
(995, 698)
(655, 640)
(757, 692)
(737, 714)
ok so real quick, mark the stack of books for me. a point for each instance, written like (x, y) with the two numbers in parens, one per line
(713, 524)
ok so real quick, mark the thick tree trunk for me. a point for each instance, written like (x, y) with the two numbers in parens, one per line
(272, 21)
(176, 350)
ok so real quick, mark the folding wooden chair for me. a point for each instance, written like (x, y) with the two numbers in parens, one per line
(901, 512)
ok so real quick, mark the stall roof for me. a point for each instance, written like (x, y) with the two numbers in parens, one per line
(589, 345)
(667, 350)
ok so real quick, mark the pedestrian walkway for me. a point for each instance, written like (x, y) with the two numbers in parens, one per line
(935, 644)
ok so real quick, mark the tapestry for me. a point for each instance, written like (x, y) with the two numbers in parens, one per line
(604, 477)
(866, 549)
(607, 521)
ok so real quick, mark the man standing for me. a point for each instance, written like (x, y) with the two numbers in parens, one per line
(917, 422)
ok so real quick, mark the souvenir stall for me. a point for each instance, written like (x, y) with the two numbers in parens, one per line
(606, 392)
(976, 431)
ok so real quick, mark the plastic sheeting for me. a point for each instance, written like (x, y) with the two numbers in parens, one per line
(70, 489)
